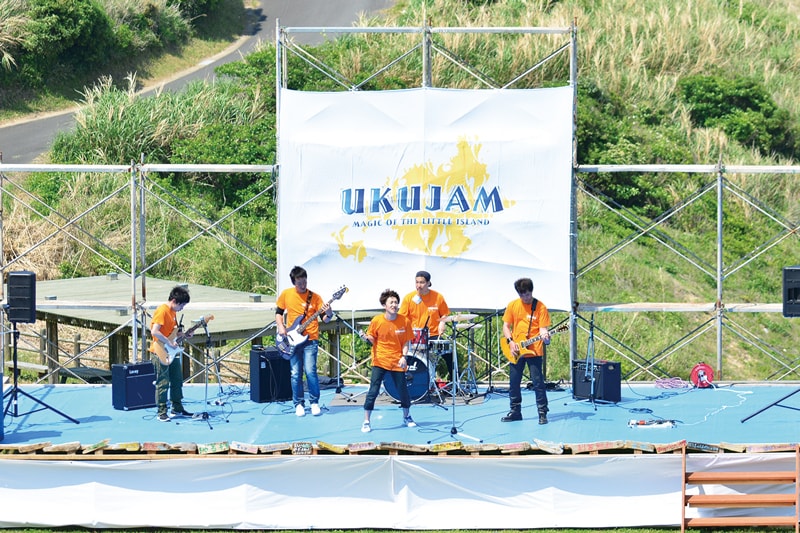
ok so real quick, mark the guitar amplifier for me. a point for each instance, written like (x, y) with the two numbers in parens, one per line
(133, 386)
(270, 375)
(606, 375)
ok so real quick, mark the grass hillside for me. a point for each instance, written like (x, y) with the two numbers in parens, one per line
(704, 82)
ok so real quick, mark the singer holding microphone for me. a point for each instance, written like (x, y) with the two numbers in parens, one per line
(425, 308)
(389, 334)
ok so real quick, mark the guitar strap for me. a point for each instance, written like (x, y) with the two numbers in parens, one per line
(533, 310)
(305, 310)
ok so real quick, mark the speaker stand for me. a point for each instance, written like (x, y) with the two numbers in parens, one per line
(777, 402)
(14, 392)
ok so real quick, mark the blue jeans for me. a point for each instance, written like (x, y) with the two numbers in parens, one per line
(515, 379)
(375, 382)
(305, 356)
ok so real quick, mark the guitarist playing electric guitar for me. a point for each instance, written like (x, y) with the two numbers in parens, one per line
(524, 318)
(299, 302)
(169, 377)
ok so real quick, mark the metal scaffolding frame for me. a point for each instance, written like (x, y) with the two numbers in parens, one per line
(142, 190)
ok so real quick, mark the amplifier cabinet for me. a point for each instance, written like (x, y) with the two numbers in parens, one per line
(270, 376)
(133, 386)
(606, 381)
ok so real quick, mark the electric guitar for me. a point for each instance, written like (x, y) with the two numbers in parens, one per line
(166, 353)
(295, 333)
(524, 344)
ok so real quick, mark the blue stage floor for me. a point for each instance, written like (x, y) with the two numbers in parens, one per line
(710, 416)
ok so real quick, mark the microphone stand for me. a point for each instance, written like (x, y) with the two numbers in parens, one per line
(348, 396)
(491, 389)
(207, 352)
(454, 391)
(588, 373)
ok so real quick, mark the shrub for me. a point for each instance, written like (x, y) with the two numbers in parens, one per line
(77, 34)
(743, 109)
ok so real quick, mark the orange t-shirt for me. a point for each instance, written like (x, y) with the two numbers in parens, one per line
(165, 316)
(431, 305)
(523, 326)
(294, 305)
(390, 337)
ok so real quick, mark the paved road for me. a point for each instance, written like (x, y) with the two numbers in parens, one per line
(22, 142)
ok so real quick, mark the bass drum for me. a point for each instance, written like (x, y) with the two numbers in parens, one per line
(416, 380)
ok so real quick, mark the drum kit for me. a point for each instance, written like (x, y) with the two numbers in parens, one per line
(424, 357)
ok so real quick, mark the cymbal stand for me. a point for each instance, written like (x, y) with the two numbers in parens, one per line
(468, 375)
(453, 428)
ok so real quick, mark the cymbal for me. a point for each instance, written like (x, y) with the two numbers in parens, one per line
(468, 325)
(459, 318)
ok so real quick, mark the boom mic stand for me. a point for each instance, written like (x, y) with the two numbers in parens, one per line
(349, 397)
(14, 391)
(588, 374)
(208, 356)
(454, 391)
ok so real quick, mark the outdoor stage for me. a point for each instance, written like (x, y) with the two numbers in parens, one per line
(257, 465)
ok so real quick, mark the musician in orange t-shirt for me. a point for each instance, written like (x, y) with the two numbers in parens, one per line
(390, 334)
(169, 377)
(426, 308)
(525, 318)
(293, 304)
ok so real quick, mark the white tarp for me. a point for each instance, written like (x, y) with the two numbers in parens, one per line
(473, 186)
(344, 492)
(368, 491)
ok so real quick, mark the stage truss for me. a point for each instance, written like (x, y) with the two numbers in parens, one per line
(132, 190)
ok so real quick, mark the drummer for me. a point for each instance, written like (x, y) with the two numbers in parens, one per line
(425, 309)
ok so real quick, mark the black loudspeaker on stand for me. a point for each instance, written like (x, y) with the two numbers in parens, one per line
(606, 381)
(22, 308)
(133, 386)
(22, 297)
(270, 375)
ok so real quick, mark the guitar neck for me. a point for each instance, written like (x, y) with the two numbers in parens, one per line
(528, 342)
(302, 327)
(191, 329)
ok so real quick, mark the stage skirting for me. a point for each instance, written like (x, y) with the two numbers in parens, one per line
(329, 492)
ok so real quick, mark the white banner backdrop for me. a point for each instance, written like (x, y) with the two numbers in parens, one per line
(472, 186)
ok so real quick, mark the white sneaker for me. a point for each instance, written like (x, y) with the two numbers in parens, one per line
(300, 410)
(365, 427)
(409, 422)
(315, 410)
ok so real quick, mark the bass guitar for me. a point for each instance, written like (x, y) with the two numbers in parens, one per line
(295, 334)
(166, 353)
(527, 342)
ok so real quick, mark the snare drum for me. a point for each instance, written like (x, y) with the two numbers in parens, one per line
(416, 380)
